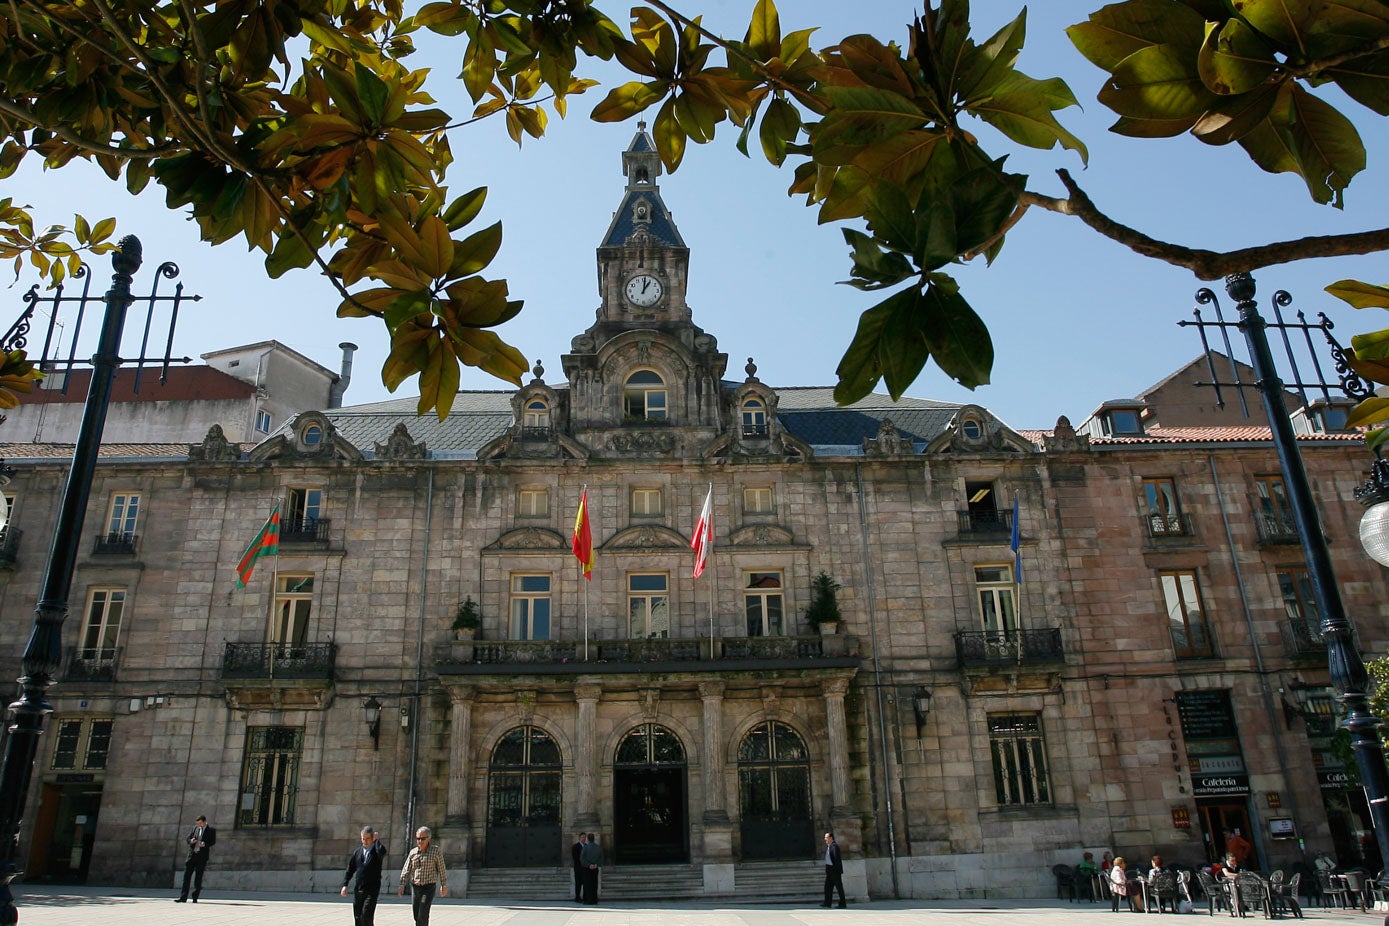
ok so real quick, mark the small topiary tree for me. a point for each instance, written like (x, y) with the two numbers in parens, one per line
(467, 617)
(824, 603)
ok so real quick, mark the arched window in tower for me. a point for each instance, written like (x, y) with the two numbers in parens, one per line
(644, 397)
(535, 419)
(754, 417)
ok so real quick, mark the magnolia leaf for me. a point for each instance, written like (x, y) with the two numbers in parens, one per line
(669, 137)
(436, 247)
(1360, 295)
(628, 100)
(1234, 59)
(780, 126)
(955, 335)
(861, 366)
(1234, 117)
(475, 252)
(477, 303)
(1373, 370)
(1157, 82)
(988, 67)
(1021, 108)
(465, 208)
(861, 116)
(1375, 438)
(1366, 80)
(764, 32)
(1120, 29)
(875, 268)
(1370, 411)
(1371, 346)
(1283, 21)
(1327, 147)
(438, 379)
(489, 353)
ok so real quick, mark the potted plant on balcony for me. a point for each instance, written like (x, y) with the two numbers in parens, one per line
(466, 620)
(823, 610)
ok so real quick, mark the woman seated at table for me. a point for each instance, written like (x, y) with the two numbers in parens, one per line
(1120, 887)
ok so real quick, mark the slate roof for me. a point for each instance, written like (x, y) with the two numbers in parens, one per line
(1202, 435)
(111, 452)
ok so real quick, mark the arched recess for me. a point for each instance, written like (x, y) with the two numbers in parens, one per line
(523, 801)
(774, 801)
(650, 798)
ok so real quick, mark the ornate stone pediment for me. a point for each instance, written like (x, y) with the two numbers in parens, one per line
(530, 538)
(761, 535)
(1064, 439)
(642, 441)
(400, 446)
(648, 537)
(215, 447)
(312, 438)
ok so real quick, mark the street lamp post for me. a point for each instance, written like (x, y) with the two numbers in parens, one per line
(1349, 677)
(43, 653)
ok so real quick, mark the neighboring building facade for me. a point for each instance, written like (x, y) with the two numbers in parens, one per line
(248, 391)
(966, 728)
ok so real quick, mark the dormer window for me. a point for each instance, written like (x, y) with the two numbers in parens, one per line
(1125, 422)
(313, 436)
(972, 428)
(644, 397)
(536, 416)
(754, 417)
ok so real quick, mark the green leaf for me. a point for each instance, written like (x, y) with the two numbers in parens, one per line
(1021, 108)
(982, 202)
(1370, 411)
(861, 116)
(990, 65)
(955, 335)
(1324, 143)
(465, 208)
(628, 100)
(1234, 59)
(862, 364)
(875, 268)
(1157, 82)
(779, 127)
(1234, 117)
(373, 93)
(764, 32)
(1284, 21)
(1365, 80)
(1360, 295)
(1120, 29)
(475, 252)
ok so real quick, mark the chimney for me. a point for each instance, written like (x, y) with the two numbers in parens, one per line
(335, 392)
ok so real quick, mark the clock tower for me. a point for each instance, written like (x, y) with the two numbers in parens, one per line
(644, 379)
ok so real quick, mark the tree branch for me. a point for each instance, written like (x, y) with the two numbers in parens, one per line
(1206, 265)
(10, 108)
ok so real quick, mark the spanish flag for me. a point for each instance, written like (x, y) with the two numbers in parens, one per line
(583, 538)
(267, 543)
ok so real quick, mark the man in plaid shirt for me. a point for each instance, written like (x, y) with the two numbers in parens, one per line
(423, 871)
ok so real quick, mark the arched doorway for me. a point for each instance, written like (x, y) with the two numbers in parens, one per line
(523, 801)
(649, 800)
(774, 793)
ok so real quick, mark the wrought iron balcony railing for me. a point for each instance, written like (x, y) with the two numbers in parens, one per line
(646, 651)
(986, 522)
(754, 430)
(1275, 528)
(9, 544)
(304, 530)
(92, 664)
(278, 660)
(1301, 639)
(1161, 526)
(1020, 647)
(118, 542)
(537, 433)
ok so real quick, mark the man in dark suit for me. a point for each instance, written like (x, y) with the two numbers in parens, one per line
(577, 850)
(834, 871)
(592, 860)
(200, 843)
(366, 863)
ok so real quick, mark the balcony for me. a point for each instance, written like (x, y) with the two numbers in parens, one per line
(539, 434)
(558, 657)
(754, 431)
(305, 530)
(1019, 648)
(9, 545)
(985, 522)
(278, 661)
(1164, 526)
(1275, 528)
(119, 543)
(92, 664)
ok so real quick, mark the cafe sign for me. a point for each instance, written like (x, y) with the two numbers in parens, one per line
(1209, 785)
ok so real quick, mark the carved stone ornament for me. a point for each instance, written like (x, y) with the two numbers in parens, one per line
(1064, 438)
(215, 447)
(888, 441)
(761, 535)
(648, 538)
(400, 446)
(531, 538)
(650, 703)
(650, 441)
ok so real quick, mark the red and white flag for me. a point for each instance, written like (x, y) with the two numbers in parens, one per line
(703, 539)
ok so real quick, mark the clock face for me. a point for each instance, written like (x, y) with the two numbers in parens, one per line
(643, 290)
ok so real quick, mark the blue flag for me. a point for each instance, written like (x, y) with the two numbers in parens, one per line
(1015, 544)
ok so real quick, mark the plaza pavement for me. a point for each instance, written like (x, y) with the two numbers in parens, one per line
(80, 906)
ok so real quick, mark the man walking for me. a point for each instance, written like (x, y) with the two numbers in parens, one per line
(591, 858)
(424, 871)
(834, 871)
(200, 843)
(576, 850)
(365, 864)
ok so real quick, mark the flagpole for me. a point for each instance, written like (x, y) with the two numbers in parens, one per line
(712, 654)
(1015, 543)
(583, 495)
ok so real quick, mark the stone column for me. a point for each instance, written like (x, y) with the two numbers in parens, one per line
(586, 699)
(460, 754)
(838, 752)
(711, 693)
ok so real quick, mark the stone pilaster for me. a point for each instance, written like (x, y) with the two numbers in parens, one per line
(586, 699)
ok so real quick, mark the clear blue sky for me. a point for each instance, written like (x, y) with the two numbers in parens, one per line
(1075, 319)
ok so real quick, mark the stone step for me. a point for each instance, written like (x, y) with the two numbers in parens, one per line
(798, 880)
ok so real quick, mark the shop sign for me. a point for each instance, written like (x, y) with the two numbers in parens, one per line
(1208, 785)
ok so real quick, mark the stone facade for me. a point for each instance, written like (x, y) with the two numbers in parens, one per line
(962, 731)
